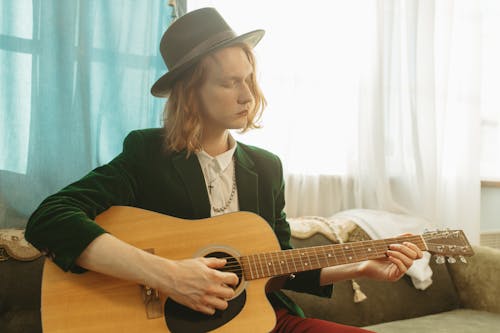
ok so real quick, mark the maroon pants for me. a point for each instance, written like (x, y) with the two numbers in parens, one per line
(288, 323)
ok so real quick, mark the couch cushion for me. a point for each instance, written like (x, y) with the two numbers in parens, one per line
(20, 285)
(477, 282)
(460, 320)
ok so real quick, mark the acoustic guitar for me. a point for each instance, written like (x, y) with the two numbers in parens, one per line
(93, 302)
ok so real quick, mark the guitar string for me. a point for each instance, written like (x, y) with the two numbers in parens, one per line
(381, 245)
(352, 248)
(262, 264)
(298, 261)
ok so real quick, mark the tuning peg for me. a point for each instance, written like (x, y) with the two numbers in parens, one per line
(452, 260)
(462, 259)
(440, 259)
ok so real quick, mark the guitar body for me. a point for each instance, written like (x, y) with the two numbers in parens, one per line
(93, 302)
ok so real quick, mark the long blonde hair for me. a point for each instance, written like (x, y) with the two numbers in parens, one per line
(182, 120)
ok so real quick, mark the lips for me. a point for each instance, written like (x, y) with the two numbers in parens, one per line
(242, 113)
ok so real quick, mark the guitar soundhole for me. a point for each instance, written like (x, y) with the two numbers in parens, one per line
(181, 319)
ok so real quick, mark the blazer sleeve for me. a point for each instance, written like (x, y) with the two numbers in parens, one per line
(63, 225)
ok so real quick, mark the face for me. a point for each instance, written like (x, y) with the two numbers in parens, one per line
(225, 96)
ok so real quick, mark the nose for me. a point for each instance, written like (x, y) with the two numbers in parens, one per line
(245, 95)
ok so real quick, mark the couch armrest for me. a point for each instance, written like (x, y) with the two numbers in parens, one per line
(477, 281)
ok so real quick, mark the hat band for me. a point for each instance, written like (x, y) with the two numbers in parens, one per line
(206, 44)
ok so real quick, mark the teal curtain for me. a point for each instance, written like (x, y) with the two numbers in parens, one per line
(74, 80)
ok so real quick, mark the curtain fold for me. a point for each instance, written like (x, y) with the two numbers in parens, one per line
(82, 71)
(418, 120)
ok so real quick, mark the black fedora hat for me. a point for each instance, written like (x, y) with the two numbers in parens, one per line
(192, 36)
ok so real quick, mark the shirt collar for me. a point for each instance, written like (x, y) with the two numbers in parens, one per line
(222, 160)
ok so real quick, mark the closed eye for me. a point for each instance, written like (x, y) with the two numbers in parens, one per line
(228, 83)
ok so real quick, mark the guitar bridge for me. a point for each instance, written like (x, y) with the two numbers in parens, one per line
(152, 302)
(151, 299)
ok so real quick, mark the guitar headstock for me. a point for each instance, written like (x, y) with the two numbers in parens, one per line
(448, 243)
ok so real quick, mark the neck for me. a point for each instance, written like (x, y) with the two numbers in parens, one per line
(216, 144)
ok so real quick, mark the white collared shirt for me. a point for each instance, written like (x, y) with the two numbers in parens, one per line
(219, 172)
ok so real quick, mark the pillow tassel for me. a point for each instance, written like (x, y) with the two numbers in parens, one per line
(359, 296)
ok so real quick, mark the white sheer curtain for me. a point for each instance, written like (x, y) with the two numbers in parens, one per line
(419, 122)
(372, 104)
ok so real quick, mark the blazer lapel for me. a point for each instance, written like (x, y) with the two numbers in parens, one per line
(247, 182)
(192, 176)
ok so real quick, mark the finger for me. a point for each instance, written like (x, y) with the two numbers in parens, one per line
(229, 279)
(400, 264)
(204, 309)
(405, 250)
(415, 248)
(214, 262)
(221, 291)
(412, 245)
(216, 303)
(224, 292)
(405, 260)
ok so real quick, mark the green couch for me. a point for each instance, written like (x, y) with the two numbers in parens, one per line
(462, 298)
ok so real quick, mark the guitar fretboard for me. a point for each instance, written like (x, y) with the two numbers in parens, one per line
(270, 264)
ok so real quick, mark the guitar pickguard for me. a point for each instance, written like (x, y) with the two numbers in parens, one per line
(181, 319)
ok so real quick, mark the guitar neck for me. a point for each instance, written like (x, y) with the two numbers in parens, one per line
(257, 266)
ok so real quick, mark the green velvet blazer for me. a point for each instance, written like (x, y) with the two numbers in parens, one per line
(146, 176)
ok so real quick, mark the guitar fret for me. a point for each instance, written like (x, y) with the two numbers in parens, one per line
(343, 259)
(263, 262)
(279, 263)
(282, 263)
(318, 263)
(327, 259)
(292, 260)
(360, 253)
(260, 265)
(286, 262)
(271, 265)
(247, 268)
(265, 268)
(252, 264)
(303, 261)
(370, 249)
(330, 255)
(349, 253)
(259, 261)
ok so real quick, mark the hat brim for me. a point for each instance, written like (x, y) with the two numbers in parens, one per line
(162, 87)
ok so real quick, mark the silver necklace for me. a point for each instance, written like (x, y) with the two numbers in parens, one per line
(231, 196)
